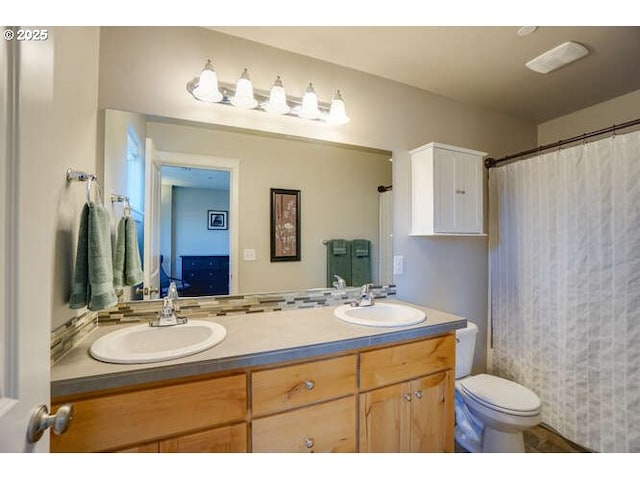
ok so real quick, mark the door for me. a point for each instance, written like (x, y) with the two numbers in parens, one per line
(467, 181)
(151, 285)
(26, 74)
(432, 414)
(384, 419)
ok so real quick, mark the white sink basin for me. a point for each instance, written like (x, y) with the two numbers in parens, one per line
(380, 314)
(145, 344)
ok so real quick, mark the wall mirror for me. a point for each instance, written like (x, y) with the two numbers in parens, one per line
(204, 168)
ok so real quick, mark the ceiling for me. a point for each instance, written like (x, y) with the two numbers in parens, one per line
(195, 177)
(483, 66)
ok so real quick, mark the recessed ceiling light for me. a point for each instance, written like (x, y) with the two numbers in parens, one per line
(524, 31)
(557, 57)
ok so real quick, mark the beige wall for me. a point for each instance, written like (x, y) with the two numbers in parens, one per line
(602, 115)
(146, 69)
(60, 118)
(339, 197)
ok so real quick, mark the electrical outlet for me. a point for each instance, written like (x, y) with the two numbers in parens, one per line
(249, 254)
(398, 264)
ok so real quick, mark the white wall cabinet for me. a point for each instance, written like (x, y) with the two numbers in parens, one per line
(447, 194)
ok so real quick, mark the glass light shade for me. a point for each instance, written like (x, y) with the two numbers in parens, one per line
(337, 112)
(244, 92)
(277, 99)
(207, 89)
(309, 107)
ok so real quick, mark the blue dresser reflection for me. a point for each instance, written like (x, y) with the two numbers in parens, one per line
(205, 275)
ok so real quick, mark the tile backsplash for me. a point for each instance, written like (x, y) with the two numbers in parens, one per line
(71, 333)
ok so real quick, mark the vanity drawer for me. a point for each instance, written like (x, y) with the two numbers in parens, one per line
(283, 388)
(111, 421)
(328, 427)
(386, 366)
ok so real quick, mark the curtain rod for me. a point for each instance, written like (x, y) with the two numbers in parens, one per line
(492, 162)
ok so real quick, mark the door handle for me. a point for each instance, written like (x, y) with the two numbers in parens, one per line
(41, 420)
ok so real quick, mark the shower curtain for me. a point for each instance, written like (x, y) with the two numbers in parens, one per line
(565, 287)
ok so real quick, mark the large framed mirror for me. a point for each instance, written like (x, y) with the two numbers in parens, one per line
(206, 167)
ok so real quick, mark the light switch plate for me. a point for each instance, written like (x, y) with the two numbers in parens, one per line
(398, 264)
(249, 254)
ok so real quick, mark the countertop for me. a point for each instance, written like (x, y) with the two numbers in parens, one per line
(252, 340)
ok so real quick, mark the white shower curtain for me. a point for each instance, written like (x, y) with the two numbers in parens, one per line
(565, 287)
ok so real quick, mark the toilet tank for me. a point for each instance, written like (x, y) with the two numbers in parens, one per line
(465, 348)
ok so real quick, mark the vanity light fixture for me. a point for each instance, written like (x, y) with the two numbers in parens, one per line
(277, 99)
(207, 88)
(309, 108)
(244, 92)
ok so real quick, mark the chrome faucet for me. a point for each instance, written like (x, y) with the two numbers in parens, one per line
(339, 284)
(168, 315)
(366, 297)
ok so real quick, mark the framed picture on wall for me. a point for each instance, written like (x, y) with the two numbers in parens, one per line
(285, 225)
(217, 220)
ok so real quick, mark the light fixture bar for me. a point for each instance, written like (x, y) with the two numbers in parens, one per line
(262, 101)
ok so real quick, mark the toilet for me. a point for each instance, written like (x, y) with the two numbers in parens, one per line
(491, 412)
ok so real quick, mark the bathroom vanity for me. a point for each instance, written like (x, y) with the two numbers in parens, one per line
(290, 381)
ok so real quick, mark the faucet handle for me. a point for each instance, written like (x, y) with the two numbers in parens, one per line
(339, 283)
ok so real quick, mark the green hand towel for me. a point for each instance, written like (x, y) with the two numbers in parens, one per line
(132, 264)
(80, 289)
(127, 266)
(360, 262)
(118, 260)
(338, 260)
(101, 292)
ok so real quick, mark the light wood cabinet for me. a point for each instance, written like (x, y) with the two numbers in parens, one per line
(447, 193)
(396, 398)
(408, 408)
(323, 428)
(284, 388)
(229, 439)
(318, 427)
(123, 420)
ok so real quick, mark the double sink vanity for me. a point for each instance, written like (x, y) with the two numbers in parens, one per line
(335, 378)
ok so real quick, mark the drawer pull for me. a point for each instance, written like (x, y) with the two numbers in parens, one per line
(309, 384)
(308, 442)
(407, 397)
(418, 394)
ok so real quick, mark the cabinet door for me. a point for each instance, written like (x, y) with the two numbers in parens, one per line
(467, 196)
(230, 439)
(432, 414)
(384, 419)
(457, 192)
(327, 427)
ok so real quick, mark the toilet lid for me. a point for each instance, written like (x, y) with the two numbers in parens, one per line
(500, 393)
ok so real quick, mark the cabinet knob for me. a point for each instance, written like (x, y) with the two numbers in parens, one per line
(418, 394)
(309, 384)
(308, 442)
(407, 397)
(461, 192)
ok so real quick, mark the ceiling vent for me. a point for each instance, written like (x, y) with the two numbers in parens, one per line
(557, 57)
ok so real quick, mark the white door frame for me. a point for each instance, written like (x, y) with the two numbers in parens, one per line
(232, 165)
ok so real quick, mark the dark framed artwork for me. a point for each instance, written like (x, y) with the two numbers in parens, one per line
(285, 225)
(217, 220)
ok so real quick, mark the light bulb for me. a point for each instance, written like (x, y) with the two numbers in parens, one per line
(337, 112)
(309, 108)
(207, 89)
(244, 92)
(277, 99)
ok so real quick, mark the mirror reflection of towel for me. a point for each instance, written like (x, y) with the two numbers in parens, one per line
(127, 266)
(338, 260)
(93, 278)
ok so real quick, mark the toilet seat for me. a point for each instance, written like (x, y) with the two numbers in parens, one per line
(501, 395)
